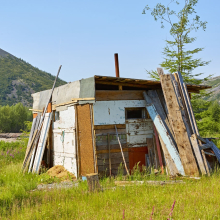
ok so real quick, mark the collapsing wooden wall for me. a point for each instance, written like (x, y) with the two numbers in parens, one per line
(109, 155)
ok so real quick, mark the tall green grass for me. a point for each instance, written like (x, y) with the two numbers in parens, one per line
(195, 199)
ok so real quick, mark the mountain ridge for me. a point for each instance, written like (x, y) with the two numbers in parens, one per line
(19, 79)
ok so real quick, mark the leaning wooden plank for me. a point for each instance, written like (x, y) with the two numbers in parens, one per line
(206, 163)
(42, 143)
(182, 139)
(33, 128)
(205, 146)
(154, 99)
(182, 105)
(201, 139)
(193, 122)
(36, 137)
(179, 78)
(34, 151)
(165, 136)
(170, 164)
(158, 150)
(208, 153)
(31, 148)
(197, 153)
(188, 115)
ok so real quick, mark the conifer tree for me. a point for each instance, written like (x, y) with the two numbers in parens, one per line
(177, 56)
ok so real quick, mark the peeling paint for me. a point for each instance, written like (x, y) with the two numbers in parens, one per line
(64, 140)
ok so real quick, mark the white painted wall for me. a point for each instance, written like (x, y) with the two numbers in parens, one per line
(64, 141)
(113, 112)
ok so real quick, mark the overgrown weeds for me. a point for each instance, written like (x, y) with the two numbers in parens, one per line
(194, 199)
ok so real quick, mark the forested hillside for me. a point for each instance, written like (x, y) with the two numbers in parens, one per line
(19, 79)
(215, 90)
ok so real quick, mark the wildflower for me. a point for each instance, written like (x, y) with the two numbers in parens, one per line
(8, 152)
(11, 155)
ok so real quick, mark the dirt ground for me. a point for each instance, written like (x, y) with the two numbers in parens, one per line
(9, 137)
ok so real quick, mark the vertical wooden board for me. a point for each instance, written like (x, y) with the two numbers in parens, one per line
(85, 139)
(182, 139)
(198, 154)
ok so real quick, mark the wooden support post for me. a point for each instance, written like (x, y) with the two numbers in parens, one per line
(93, 182)
(198, 154)
(109, 155)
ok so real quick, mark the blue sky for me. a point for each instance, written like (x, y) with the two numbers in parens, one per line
(84, 35)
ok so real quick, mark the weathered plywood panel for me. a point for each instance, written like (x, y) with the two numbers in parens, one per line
(86, 153)
(109, 95)
(137, 132)
(113, 112)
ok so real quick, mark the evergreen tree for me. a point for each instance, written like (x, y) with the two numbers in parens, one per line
(182, 23)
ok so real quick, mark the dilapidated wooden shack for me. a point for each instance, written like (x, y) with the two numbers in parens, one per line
(82, 135)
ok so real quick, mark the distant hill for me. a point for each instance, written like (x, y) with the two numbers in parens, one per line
(19, 79)
(215, 83)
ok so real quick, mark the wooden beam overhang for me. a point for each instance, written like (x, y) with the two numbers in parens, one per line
(140, 83)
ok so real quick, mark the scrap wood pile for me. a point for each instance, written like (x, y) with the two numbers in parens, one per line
(38, 137)
(185, 152)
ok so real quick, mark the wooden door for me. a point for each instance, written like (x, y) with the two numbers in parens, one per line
(137, 155)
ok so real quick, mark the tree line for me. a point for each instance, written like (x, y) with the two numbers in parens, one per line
(14, 118)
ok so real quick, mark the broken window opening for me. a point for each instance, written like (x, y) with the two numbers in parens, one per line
(135, 113)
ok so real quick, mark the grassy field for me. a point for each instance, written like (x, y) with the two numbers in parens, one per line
(194, 199)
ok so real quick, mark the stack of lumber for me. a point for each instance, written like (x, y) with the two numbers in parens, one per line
(184, 151)
(38, 136)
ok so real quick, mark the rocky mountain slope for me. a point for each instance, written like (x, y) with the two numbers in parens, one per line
(215, 90)
(19, 79)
